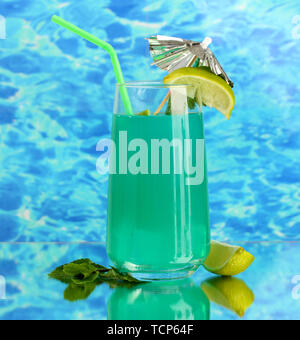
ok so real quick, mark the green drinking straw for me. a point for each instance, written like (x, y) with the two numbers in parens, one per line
(107, 47)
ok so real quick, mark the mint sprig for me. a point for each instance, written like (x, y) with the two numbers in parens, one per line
(192, 102)
(83, 276)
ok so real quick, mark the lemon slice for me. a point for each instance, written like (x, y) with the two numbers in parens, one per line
(227, 260)
(229, 292)
(212, 89)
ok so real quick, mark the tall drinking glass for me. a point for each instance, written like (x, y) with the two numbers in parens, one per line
(158, 215)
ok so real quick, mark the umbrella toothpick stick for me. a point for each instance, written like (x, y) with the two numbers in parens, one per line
(169, 93)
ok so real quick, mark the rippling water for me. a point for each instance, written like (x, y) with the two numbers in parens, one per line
(56, 97)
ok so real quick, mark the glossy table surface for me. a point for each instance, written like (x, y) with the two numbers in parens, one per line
(269, 289)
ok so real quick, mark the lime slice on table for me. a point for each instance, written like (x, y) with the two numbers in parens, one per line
(212, 89)
(227, 260)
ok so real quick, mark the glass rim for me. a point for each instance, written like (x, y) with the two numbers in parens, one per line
(150, 85)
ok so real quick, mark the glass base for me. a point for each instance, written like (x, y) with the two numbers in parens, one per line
(178, 272)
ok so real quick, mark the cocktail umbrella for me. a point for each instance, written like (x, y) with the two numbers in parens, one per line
(171, 53)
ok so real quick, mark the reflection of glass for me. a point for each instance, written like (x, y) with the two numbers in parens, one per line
(170, 300)
(158, 220)
(229, 292)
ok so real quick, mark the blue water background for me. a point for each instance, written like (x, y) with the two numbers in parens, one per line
(56, 98)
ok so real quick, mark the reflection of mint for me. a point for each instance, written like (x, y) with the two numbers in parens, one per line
(83, 276)
(76, 292)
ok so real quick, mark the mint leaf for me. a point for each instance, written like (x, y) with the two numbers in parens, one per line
(168, 110)
(83, 276)
(79, 270)
(112, 274)
(127, 277)
(115, 274)
(91, 278)
(191, 103)
(83, 261)
(60, 275)
(100, 268)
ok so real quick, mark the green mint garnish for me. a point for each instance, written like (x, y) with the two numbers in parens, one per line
(168, 110)
(191, 103)
(83, 276)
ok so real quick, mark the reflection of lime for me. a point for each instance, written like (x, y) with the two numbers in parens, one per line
(229, 292)
(227, 260)
(213, 90)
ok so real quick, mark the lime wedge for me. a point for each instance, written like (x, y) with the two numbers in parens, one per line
(229, 292)
(144, 113)
(227, 260)
(212, 89)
